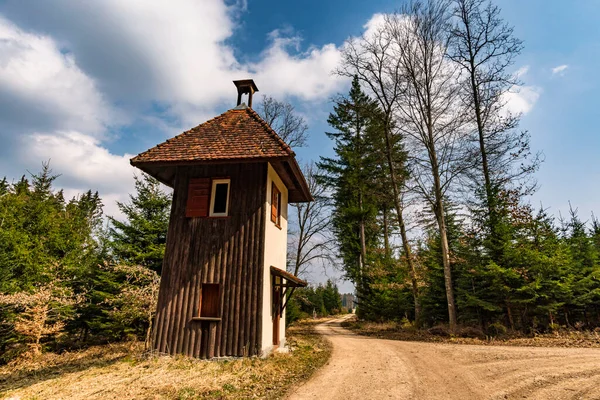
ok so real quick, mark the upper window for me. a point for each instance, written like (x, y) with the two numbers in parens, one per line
(208, 197)
(219, 198)
(276, 205)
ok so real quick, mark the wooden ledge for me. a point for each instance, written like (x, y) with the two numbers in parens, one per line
(206, 318)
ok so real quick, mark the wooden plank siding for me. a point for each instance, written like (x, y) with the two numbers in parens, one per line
(224, 250)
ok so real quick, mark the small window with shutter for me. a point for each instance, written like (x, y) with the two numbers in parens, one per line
(208, 197)
(198, 197)
(276, 205)
(219, 199)
(209, 300)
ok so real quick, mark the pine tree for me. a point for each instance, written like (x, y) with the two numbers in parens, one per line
(331, 298)
(46, 240)
(141, 238)
(3, 186)
(351, 177)
(585, 266)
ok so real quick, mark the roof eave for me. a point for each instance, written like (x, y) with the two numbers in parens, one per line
(139, 163)
(304, 190)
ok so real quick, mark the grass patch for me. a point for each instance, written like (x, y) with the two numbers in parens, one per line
(124, 371)
(469, 335)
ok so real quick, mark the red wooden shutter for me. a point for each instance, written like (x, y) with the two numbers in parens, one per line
(274, 204)
(198, 197)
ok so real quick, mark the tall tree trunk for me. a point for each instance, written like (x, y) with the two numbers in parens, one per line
(480, 128)
(489, 195)
(511, 320)
(441, 220)
(363, 245)
(566, 310)
(399, 213)
(386, 231)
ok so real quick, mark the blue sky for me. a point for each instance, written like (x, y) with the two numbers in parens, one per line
(90, 84)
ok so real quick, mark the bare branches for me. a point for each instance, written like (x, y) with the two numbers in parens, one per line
(484, 47)
(282, 117)
(428, 111)
(312, 241)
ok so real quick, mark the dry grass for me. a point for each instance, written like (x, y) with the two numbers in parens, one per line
(123, 371)
(395, 331)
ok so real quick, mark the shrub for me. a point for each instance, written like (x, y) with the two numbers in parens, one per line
(496, 329)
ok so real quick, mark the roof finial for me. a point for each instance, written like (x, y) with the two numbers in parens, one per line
(245, 86)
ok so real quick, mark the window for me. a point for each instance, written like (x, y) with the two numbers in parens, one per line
(219, 198)
(209, 300)
(208, 197)
(276, 205)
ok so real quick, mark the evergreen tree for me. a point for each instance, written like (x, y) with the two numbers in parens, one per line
(4, 186)
(44, 239)
(332, 300)
(352, 176)
(585, 266)
(142, 237)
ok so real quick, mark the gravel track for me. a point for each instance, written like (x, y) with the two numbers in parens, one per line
(368, 368)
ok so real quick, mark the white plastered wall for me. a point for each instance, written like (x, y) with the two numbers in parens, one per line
(275, 255)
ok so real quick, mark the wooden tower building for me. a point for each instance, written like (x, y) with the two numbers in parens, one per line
(223, 285)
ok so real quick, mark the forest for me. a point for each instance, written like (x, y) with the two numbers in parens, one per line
(431, 182)
(71, 276)
(424, 205)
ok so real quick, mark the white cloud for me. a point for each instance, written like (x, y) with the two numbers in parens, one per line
(101, 65)
(71, 72)
(42, 89)
(521, 72)
(40, 85)
(145, 51)
(522, 99)
(560, 70)
(306, 75)
(376, 22)
(83, 164)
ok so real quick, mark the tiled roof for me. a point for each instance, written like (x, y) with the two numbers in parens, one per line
(239, 133)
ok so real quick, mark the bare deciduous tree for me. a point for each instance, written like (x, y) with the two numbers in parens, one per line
(428, 112)
(484, 47)
(372, 60)
(282, 117)
(312, 240)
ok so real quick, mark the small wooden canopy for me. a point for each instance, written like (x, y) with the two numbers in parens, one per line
(291, 280)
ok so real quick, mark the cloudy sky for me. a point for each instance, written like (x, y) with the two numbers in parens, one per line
(88, 85)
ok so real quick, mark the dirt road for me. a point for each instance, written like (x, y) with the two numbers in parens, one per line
(368, 368)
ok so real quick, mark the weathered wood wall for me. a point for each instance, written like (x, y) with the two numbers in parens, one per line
(228, 251)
